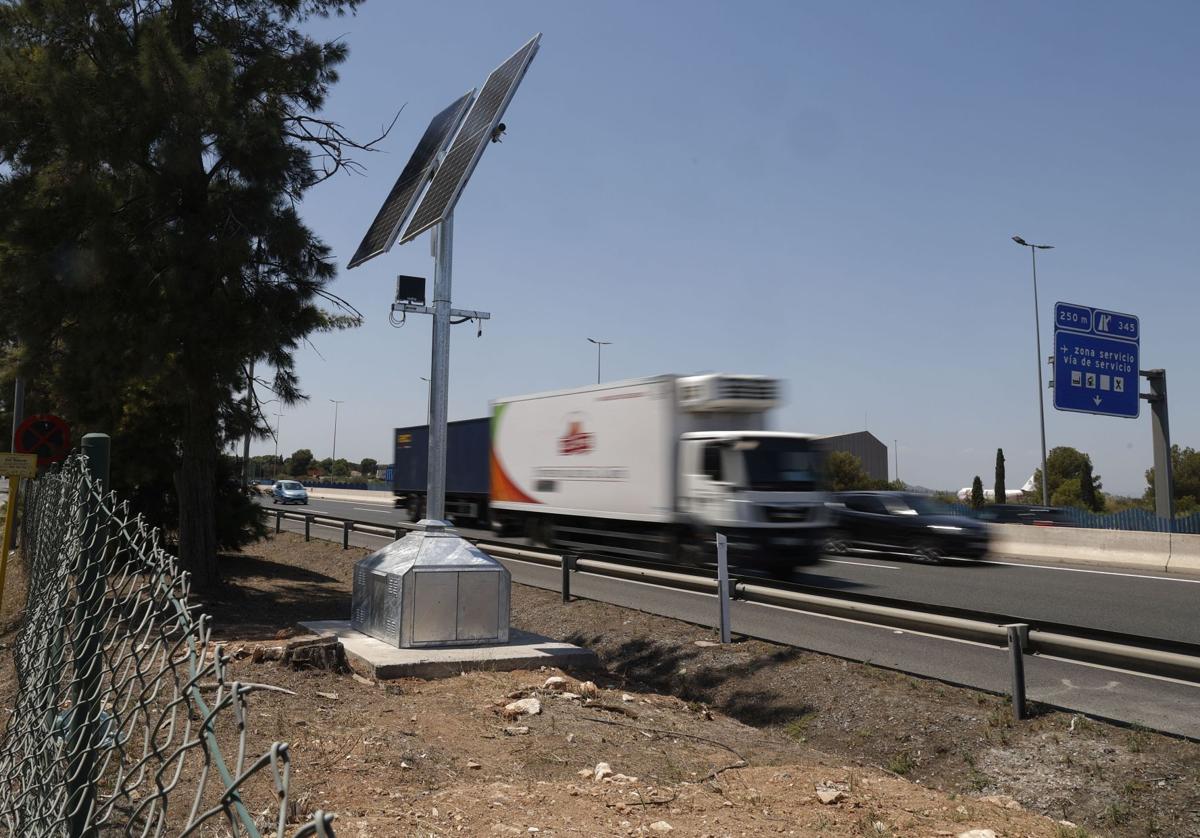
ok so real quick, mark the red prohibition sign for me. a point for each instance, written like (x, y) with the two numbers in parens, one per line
(46, 435)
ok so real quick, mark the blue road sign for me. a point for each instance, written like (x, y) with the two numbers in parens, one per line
(1096, 361)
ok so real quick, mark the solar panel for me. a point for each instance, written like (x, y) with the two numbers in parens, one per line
(382, 233)
(468, 146)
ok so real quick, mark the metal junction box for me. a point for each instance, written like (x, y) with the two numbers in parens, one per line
(431, 588)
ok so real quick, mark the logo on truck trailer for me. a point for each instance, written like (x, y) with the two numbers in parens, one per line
(576, 440)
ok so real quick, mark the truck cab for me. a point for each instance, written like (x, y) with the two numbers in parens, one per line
(761, 489)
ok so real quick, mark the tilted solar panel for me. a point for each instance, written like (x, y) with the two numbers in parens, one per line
(399, 204)
(460, 162)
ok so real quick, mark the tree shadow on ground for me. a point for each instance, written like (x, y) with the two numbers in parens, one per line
(261, 599)
(692, 676)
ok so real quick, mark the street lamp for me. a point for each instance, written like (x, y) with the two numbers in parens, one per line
(278, 424)
(336, 402)
(1033, 249)
(599, 344)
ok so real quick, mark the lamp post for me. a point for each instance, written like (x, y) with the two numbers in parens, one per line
(336, 403)
(599, 344)
(428, 388)
(1037, 328)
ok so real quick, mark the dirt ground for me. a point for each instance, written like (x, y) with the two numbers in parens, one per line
(712, 740)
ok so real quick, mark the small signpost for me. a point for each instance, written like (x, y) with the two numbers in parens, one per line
(14, 467)
(47, 436)
(1096, 361)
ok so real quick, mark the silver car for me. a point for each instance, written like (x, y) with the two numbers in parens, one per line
(289, 491)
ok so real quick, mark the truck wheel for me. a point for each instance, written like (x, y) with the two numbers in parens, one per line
(414, 509)
(539, 531)
(837, 542)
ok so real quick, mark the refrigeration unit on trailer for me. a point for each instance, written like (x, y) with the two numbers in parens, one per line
(656, 467)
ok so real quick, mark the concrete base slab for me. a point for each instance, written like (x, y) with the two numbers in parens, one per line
(380, 661)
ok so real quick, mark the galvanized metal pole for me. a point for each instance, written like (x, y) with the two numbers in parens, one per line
(88, 620)
(1164, 479)
(1037, 327)
(336, 404)
(439, 373)
(723, 585)
(18, 408)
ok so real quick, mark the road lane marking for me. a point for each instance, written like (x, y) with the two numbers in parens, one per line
(864, 564)
(1087, 570)
(362, 509)
(383, 503)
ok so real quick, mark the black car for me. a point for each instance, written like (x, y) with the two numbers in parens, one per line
(902, 522)
(1015, 513)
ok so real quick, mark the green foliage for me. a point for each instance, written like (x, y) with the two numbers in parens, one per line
(340, 468)
(1001, 497)
(299, 463)
(977, 497)
(1185, 471)
(152, 156)
(367, 467)
(844, 472)
(1066, 467)
(1089, 493)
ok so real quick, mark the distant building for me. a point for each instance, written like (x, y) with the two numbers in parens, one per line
(866, 447)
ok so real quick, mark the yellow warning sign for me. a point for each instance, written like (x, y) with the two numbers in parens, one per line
(18, 465)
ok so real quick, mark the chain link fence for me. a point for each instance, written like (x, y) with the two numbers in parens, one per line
(124, 721)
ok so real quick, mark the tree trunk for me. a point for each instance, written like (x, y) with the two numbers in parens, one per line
(194, 485)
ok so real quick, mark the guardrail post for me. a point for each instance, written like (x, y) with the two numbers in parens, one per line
(723, 585)
(398, 536)
(568, 567)
(307, 527)
(346, 525)
(1018, 635)
(84, 717)
(278, 520)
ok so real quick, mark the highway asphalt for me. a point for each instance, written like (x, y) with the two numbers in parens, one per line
(1123, 601)
(1158, 703)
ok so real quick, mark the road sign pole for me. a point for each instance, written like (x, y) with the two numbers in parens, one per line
(1164, 480)
(439, 374)
(1037, 329)
(10, 517)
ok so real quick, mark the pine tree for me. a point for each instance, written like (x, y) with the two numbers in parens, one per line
(153, 154)
(1001, 497)
(977, 493)
(1087, 488)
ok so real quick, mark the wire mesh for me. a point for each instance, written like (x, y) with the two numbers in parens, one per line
(124, 721)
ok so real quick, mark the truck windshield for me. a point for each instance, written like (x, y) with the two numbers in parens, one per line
(780, 464)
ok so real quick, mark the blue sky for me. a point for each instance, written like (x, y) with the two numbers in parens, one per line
(819, 192)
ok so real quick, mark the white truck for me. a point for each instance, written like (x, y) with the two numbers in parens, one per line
(655, 467)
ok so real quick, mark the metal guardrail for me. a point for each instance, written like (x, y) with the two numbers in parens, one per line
(1135, 654)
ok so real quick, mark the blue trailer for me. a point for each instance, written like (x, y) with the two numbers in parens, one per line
(468, 446)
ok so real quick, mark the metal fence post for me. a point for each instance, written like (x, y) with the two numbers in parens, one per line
(278, 520)
(307, 527)
(723, 585)
(346, 535)
(85, 712)
(1017, 638)
(568, 566)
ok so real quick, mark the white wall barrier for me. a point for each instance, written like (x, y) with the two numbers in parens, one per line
(1123, 548)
